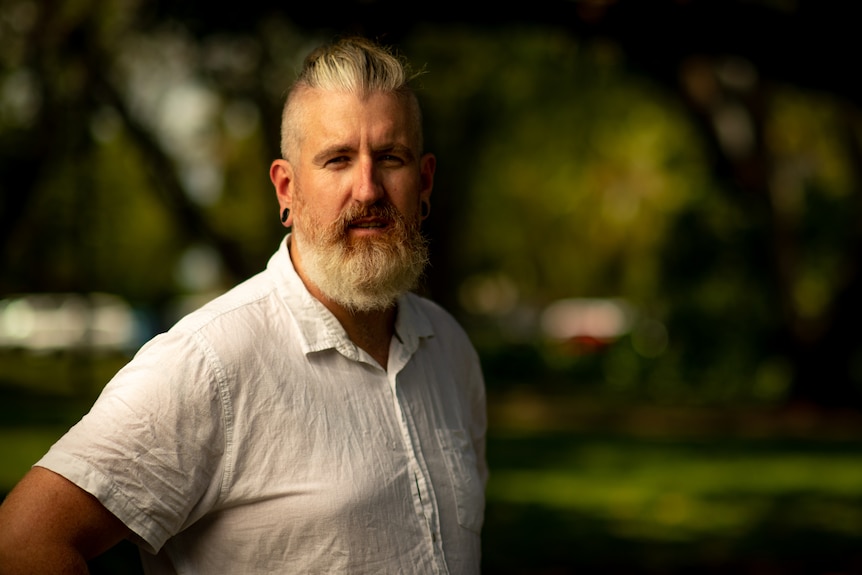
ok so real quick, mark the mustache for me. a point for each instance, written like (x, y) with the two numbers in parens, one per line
(383, 209)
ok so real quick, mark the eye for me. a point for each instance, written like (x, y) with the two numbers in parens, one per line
(392, 160)
(337, 160)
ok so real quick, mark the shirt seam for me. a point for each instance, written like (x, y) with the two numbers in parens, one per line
(227, 409)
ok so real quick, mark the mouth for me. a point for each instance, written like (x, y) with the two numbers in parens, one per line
(368, 224)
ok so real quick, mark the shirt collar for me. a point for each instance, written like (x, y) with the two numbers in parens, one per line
(321, 330)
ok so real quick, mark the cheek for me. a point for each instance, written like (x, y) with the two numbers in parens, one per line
(304, 213)
(404, 194)
(315, 200)
(402, 202)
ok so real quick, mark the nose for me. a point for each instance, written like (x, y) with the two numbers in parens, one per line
(368, 185)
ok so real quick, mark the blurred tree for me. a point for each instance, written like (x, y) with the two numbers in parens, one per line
(697, 158)
(769, 84)
(760, 269)
(119, 135)
(759, 272)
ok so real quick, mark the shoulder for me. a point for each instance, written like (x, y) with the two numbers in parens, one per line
(223, 331)
(249, 310)
(241, 300)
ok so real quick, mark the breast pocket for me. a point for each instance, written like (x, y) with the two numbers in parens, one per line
(462, 464)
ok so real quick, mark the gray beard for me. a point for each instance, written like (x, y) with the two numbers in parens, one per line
(362, 274)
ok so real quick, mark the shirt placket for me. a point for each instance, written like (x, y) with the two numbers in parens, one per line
(424, 500)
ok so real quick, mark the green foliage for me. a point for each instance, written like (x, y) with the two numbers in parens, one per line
(571, 176)
(132, 144)
(578, 170)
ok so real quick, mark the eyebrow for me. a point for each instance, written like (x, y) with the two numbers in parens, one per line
(398, 149)
(338, 150)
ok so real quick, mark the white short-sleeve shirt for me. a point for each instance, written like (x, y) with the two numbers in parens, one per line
(255, 437)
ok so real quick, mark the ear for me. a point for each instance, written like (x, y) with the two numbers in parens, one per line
(281, 174)
(427, 165)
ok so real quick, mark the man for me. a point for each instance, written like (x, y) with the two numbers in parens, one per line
(318, 418)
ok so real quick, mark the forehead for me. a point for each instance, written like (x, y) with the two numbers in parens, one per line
(330, 118)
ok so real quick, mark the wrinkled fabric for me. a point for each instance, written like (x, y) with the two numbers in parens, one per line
(255, 437)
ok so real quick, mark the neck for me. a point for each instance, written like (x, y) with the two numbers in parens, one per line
(371, 331)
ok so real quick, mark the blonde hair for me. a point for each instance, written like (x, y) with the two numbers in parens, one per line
(352, 65)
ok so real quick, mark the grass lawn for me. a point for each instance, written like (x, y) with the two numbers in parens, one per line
(565, 503)
(580, 489)
(20, 447)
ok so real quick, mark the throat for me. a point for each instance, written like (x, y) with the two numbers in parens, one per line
(371, 332)
(380, 354)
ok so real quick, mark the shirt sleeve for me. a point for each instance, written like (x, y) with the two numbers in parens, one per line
(152, 448)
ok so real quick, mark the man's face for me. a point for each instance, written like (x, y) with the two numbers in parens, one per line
(358, 181)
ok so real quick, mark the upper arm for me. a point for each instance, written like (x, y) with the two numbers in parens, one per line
(47, 518)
